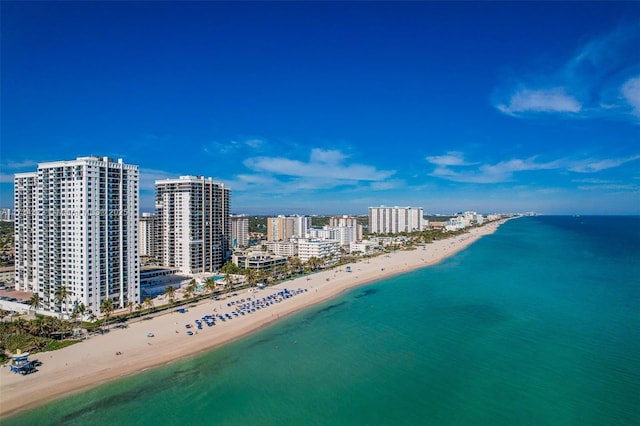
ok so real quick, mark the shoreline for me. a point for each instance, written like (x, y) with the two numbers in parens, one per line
(123, 352)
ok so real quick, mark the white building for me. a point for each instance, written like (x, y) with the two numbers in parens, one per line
(327, 250)
(5, 215)
(456, 223)
(193, 215)
(76, 226)
(239, 231)
(392, 220)
(343, 234)
(351, 221)
(364, 247)
(148, 235)
(282, 248)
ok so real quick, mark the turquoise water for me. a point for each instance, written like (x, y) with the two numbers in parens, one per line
(537, 324)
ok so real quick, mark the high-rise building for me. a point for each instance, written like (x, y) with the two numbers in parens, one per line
(5, 215)
(76, 228)
(391, 220)
(193, 215)
(239, 231)
(148, 231)
(282, 228)
(348, 221)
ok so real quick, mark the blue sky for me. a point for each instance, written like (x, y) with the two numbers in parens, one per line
(329, 108)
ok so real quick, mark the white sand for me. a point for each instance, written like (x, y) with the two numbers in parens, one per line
(94, 361)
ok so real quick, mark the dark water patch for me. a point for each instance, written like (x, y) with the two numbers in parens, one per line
(367, 292)
(99, 404)
(327, 309)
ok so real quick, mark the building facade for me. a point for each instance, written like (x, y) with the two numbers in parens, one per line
(392, 220)
(348, 221)
(194, 226)
(148, 231)
(283, 228)
(326, 250)
(239, 231)
(76, 228)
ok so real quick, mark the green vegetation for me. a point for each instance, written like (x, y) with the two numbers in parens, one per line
(37, 335)
(6, 243)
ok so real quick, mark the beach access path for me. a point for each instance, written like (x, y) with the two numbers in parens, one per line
(126, 351)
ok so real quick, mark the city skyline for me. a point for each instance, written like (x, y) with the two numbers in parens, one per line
(331, 108)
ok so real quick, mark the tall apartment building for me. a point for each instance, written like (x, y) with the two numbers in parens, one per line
(76, 226)
(239, 231)
(348, 221)
(148, 234)
(282, 228)
(391, 220)
(193, 215)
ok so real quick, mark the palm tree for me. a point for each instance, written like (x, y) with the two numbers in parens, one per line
(80, 309)
(210, 285)
(227, 280)
(191, 288)
(62, 295)
(252, 277)
(139, 310)
(149, 304)
(296, 264)
(20, 325)
(170, 292)
(230, 282)
(35, 302)
(130, 307)
(106, 307)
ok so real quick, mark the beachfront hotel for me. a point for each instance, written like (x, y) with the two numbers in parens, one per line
(76, 226)
(194, 226)
(392, 220)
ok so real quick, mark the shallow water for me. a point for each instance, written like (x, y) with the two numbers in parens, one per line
(536, 324)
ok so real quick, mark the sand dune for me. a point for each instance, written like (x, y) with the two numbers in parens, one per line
(128, 350)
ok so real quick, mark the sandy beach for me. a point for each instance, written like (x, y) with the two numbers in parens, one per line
(125, 351)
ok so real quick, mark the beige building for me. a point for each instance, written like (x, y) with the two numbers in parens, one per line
(283, 228)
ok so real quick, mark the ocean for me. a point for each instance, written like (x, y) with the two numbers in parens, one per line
(537, 324)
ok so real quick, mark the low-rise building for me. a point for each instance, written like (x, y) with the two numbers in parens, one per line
(258, 260)
(363, 247)
(282, 248)
(326, 250)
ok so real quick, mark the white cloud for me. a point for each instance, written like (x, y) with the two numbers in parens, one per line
(6, 178)
(148, 178)
(452, 158)
(546, 100)
(631, 92)
(504, 171)
(593, 165)
(21, 165)
(601, 79)
(327, 164)
(254, 143)
(609, 187)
